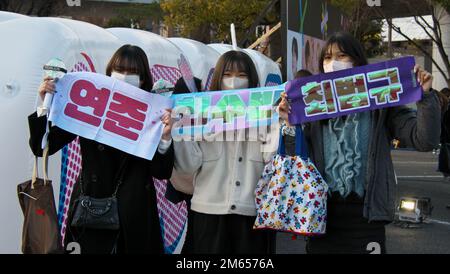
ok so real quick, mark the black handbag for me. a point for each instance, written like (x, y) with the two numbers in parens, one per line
(96, 213)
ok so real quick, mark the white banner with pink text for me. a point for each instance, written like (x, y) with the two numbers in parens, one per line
(109, 111)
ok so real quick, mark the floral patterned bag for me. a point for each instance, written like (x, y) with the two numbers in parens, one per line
(291, 195)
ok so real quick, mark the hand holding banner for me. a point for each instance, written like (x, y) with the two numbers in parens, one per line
(112, 112)
(115, 113)
(213, 112)
(358, 89)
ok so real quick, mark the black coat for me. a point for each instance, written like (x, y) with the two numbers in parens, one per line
(445, 126)
(139, 221)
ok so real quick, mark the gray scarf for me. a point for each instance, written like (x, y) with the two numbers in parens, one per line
(345, 153)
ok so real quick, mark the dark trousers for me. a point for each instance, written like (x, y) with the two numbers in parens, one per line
(188, 241)
(229, 234)
(348, 232)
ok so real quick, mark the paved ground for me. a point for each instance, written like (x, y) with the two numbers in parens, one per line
(417, 176)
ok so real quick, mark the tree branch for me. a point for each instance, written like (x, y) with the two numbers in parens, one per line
(256, 22)
(398, 30)
(432, 37)
(438, 24)
(424, 21)
(443, 54)
(440, 44)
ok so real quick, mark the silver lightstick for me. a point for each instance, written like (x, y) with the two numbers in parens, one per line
(56, 69)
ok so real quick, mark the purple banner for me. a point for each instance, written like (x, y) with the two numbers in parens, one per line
(358, 89)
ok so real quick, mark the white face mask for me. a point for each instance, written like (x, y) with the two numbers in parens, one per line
(336, 66)
(132, 79)
(234, 83)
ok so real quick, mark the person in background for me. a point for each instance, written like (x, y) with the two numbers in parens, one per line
(106, 170)
(225, 175)
(444, 96)
(445, 134)
(353, 155)
(446, 92)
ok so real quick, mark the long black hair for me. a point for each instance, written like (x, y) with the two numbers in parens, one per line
(131, 59)
(348, 45)
(234, 59)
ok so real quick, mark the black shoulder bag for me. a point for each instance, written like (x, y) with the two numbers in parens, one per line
(95, 213)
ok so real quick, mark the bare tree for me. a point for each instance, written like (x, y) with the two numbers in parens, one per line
(433, 31)
(360, 22)
(245, 40)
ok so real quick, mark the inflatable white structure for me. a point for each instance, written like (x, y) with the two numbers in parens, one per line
(27, 44)
(202, 58)
(5, 16)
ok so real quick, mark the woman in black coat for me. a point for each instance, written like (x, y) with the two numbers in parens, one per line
(445, 134)
(104, 168)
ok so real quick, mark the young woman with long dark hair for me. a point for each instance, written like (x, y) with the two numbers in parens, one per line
(106, 170)
(353, 154)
